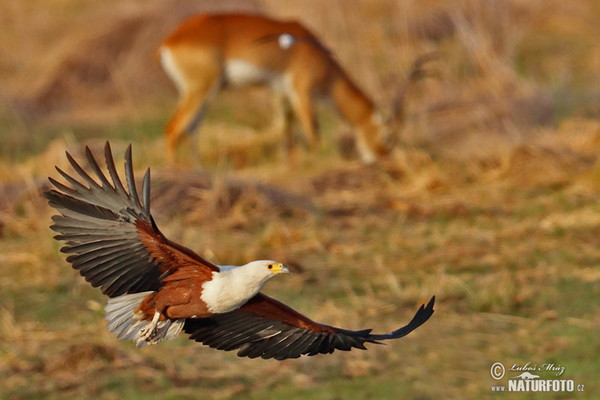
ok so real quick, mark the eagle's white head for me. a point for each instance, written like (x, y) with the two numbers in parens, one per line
(261, 271)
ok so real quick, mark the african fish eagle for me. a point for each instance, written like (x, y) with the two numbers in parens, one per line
(157, 288)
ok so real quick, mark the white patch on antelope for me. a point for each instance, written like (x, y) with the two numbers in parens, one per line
(383, 128)
(283, 85)
(170, 66)
(364, 151)
(242, 73)
(285, 41)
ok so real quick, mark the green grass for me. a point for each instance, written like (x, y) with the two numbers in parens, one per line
(509, 289)
(21, 141)
(338, 388)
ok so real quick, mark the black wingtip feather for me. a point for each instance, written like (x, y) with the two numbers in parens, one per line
(146, 190)
(59, 186)
(130, 176)
(76, 184)
(273, 338)
(97, 170)
(82, 172)
(112, 170)
(421, 316)
(96, 224)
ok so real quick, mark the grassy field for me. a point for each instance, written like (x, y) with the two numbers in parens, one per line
(491, 201)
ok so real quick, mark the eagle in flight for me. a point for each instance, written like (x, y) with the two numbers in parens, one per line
(158, 288)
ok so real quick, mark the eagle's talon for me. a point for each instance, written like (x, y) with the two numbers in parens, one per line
(148, 332)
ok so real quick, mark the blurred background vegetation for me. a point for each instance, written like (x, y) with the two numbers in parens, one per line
(490, 201)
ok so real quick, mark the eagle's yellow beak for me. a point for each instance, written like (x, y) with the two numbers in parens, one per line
(278, 268)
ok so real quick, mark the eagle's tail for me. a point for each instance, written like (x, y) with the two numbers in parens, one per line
(127, 325)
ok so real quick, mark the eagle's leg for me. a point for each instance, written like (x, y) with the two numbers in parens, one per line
(159, 333)
(150, 329)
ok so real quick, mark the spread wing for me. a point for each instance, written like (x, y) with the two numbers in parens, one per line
(267, 328)
(109, 233)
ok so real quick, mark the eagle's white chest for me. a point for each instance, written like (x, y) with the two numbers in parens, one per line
(229, 290)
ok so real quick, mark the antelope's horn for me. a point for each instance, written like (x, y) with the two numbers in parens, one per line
(416, 73)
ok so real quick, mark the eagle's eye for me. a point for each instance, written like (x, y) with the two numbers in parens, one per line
(270, 266)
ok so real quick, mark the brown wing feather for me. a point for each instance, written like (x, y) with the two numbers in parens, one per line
(109, 233)
(171, 255)
(267, 328)
(267, 307)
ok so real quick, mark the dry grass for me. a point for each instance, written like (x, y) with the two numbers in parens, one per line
(491, 202)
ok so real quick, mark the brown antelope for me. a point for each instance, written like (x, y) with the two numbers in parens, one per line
(209, 52)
